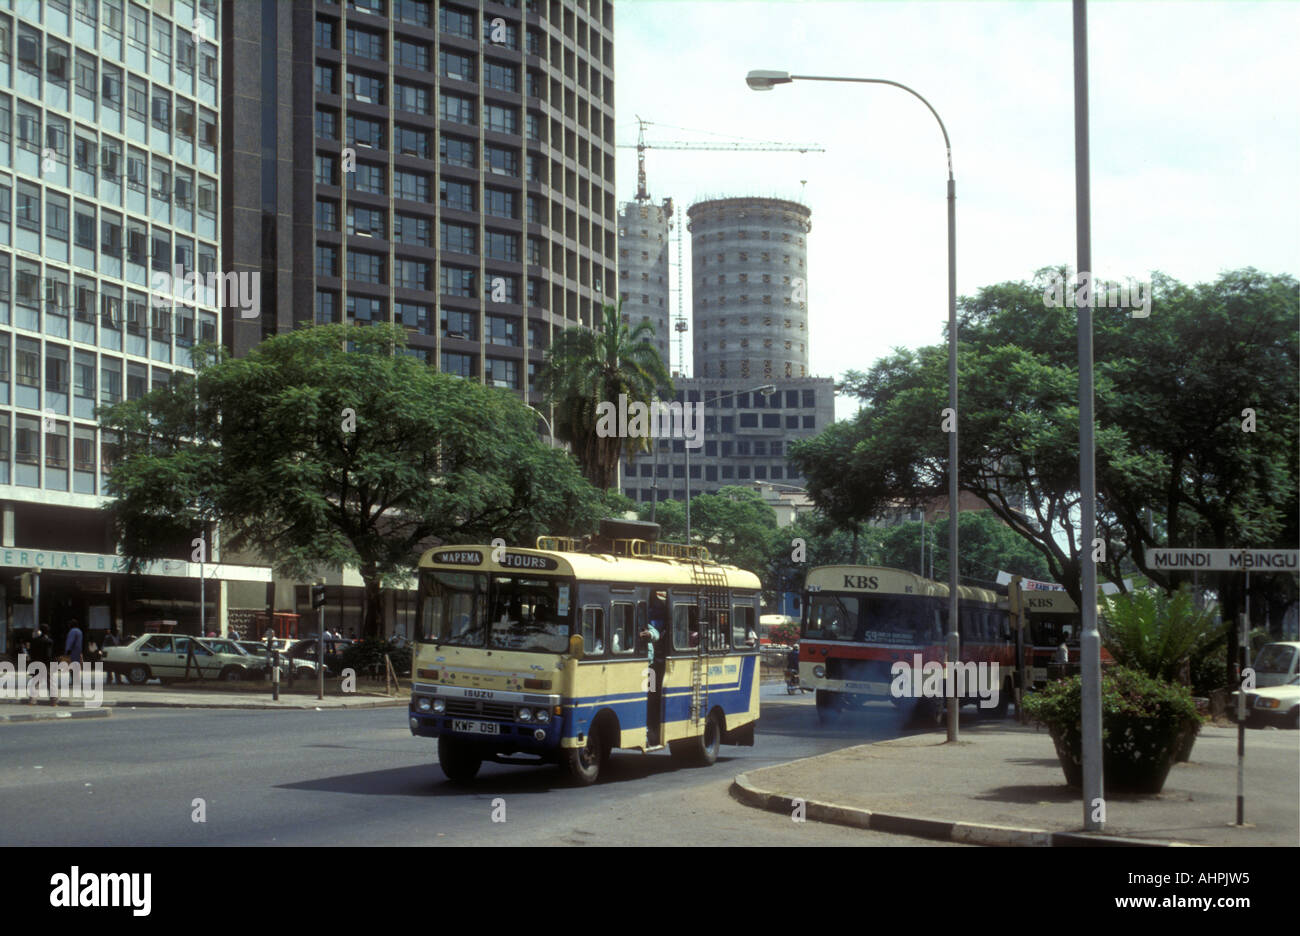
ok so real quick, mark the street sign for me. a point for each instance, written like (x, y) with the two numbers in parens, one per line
(1225, 560)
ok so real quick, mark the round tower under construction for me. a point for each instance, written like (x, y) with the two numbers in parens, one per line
(750, 296)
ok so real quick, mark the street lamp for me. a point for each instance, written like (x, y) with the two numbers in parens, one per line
(549, 434)
(765, 80)
(766, 389)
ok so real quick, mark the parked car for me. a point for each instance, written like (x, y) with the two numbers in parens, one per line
(259, 649)
(304, 653)
(1275, 705)
(1277, 664)
(163, 657)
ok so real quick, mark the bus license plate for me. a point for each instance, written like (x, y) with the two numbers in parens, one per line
(476, 727)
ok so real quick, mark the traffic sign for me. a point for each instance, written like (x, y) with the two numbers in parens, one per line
(1224, 560)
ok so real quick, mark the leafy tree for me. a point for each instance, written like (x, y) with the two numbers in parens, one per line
(736, 525)
(987, 545)
(585, 368)
(329, 447)
(1170, 390)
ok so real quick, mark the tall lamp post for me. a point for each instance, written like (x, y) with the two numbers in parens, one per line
(765, 80)
(550, 435)
(766, 389)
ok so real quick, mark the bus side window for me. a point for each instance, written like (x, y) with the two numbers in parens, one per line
(742, 624)
(622, 637)
(593, 630)
(683, 624)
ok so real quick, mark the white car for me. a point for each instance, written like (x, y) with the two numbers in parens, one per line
(1277, 664)
(163, 656)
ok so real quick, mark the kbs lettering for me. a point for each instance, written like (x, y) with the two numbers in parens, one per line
(861, 581)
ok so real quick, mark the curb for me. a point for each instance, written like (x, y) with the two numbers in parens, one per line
(262, 706)
(247, 706)
(967, 833)
(56, 715)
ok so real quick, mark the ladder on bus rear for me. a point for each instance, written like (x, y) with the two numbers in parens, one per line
(711, 586)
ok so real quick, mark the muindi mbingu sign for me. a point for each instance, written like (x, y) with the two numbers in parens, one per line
(1224, 560)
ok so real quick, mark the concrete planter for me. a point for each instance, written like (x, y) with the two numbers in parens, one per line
(1137, 753)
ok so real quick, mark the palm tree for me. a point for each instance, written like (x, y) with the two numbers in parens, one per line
(585, 368)
(1158, 633)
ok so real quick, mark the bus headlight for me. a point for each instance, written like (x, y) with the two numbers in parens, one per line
(819, 671)
(543, 716)
(440, 705)
(525, 714)
(422, 704)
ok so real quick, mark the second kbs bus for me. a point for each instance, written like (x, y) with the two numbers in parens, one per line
(859, 621)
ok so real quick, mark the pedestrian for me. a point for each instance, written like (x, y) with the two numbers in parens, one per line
(110, 673)
(72, 647)
(42, 648)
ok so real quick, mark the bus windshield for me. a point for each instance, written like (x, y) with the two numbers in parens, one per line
(509, 612)
(1049, 630)
(870, 618)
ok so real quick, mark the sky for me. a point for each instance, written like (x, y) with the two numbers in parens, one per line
(1194, 124)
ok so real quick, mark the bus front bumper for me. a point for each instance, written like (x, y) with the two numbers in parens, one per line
(500, 736)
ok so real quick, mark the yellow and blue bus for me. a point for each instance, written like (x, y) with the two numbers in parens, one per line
(543, 655)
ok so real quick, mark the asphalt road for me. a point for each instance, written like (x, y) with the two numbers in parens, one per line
(358, 777)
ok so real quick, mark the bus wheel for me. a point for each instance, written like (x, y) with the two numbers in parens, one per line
(584, 763)
(457, 759)
(827, 706)
(701, 750)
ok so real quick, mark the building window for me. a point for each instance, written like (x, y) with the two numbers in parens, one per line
(458, 67)
(456, 152)
(501, 246)
(500, 161)
(500, 119)
(412, 186)
(411, 274)
(365, 267)
(366, 44)
(456, 22)
(459, 238)
(456, 109)
(327, 307)
(413, 230)
(458, 365)
(459, 195)
(365, 89)
(456, 281)
(414, 12)
(411, 142)
(502, 373)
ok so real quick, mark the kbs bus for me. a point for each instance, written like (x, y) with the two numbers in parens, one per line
(1048, 617)
(861, 620)
(539, 655)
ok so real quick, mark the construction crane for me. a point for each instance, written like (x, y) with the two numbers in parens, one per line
(643, 196)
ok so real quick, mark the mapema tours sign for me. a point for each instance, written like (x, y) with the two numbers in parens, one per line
(1225, 560)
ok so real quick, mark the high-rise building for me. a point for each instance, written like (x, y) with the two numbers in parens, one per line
(644, 232)
(109, 157)
(745, 435)
(750, 289)
(448, 166)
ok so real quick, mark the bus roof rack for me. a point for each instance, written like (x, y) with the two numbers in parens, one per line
(632, 547)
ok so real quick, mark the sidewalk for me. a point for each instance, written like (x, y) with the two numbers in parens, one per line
(1003, 785)
(128, 697)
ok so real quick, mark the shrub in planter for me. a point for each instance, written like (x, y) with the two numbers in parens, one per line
(367, 656)
(1144, 724)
